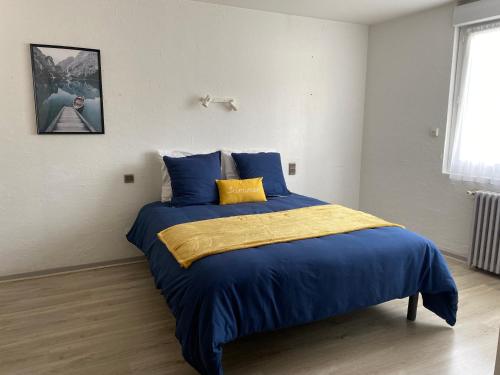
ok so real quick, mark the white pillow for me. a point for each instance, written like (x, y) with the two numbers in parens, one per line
(166, 187)
(229, 169)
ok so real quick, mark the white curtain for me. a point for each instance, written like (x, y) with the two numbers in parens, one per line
(475, 152)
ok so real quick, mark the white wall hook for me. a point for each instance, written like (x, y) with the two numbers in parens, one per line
(231, 103)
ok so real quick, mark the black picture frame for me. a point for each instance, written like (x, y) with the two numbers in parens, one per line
(62, 90)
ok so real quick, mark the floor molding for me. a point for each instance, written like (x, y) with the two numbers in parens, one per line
(70, 269)
(454, 256)
(116, 263)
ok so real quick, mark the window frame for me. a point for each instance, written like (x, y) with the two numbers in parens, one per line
(459, 52)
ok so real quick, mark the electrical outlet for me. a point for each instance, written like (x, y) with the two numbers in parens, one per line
(128, 178)
(435, 132)
(292, 169)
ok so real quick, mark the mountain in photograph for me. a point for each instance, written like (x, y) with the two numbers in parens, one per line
(82, 66)
(66, 63)
(44, 66)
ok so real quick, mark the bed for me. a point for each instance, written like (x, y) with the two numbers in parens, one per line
(226, 296)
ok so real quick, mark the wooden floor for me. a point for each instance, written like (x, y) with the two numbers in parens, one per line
(114, 321)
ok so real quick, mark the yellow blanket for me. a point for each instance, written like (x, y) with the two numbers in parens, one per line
(191, 241)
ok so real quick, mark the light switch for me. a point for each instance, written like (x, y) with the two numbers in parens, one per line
(292, 169)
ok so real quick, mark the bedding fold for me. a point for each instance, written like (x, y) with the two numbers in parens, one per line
(189, 242)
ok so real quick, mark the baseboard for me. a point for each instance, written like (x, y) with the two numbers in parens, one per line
(454, 256)
(119, 262)
(70, 269)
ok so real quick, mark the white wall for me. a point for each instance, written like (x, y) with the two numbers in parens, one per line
(409, 65)
(300, 83)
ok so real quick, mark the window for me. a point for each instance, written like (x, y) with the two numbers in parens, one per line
(473, 145)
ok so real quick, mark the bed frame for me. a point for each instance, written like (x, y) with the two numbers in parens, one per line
(412, 308)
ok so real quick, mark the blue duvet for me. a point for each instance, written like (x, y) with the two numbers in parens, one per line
(234, 294)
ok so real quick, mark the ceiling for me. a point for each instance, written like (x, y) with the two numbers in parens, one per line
(355, 11)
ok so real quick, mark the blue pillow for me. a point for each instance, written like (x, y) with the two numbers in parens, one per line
(266, 165)
(193, 179)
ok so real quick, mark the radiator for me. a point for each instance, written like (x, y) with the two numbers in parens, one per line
(485, 250)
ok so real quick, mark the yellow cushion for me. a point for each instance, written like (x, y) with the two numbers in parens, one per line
(241, 191)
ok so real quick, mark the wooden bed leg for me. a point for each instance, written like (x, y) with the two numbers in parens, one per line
(412, 307)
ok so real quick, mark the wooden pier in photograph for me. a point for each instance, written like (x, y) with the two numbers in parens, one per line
(69, 120)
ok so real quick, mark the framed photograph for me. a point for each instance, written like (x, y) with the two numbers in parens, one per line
(68, 89)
